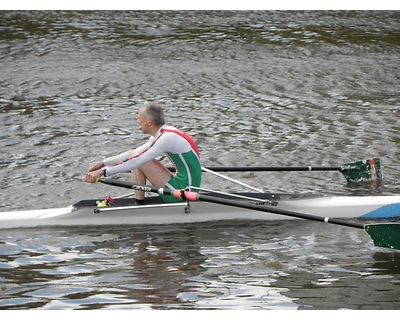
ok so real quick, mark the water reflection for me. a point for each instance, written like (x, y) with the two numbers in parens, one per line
(386, 263)
(201, 266)
(172, 267)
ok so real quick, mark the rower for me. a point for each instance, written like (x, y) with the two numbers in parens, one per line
(168, 140)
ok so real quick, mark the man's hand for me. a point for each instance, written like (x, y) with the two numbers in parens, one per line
(96, 166)
(92, 176)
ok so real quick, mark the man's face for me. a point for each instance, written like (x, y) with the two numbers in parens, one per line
(143, 123)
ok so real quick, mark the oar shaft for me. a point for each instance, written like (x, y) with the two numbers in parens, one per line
(383, 235)
(275, 210)
(249, 169)
(193, 196)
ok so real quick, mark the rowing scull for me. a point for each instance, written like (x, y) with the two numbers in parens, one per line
(86, 212)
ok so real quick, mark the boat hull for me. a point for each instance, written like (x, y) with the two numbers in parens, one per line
(87, 213)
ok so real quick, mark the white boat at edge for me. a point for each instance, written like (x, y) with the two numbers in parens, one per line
(86, 213)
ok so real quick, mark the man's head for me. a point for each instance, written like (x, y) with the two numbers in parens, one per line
(150, 117)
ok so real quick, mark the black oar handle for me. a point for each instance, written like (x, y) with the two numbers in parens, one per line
(248, 169)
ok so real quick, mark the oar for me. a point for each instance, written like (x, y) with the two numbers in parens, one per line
(385, 235)
(359, 171)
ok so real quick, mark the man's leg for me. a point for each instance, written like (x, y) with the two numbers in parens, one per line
(155, 172)
(138, 177)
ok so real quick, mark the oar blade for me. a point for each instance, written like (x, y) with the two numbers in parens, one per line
(386, 235)
(363, 171)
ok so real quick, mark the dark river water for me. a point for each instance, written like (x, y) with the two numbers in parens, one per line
(254, 88)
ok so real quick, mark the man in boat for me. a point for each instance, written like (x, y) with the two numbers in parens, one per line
(141, 162)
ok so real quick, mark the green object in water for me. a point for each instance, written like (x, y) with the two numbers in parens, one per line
(385, 235)
(363, 171)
